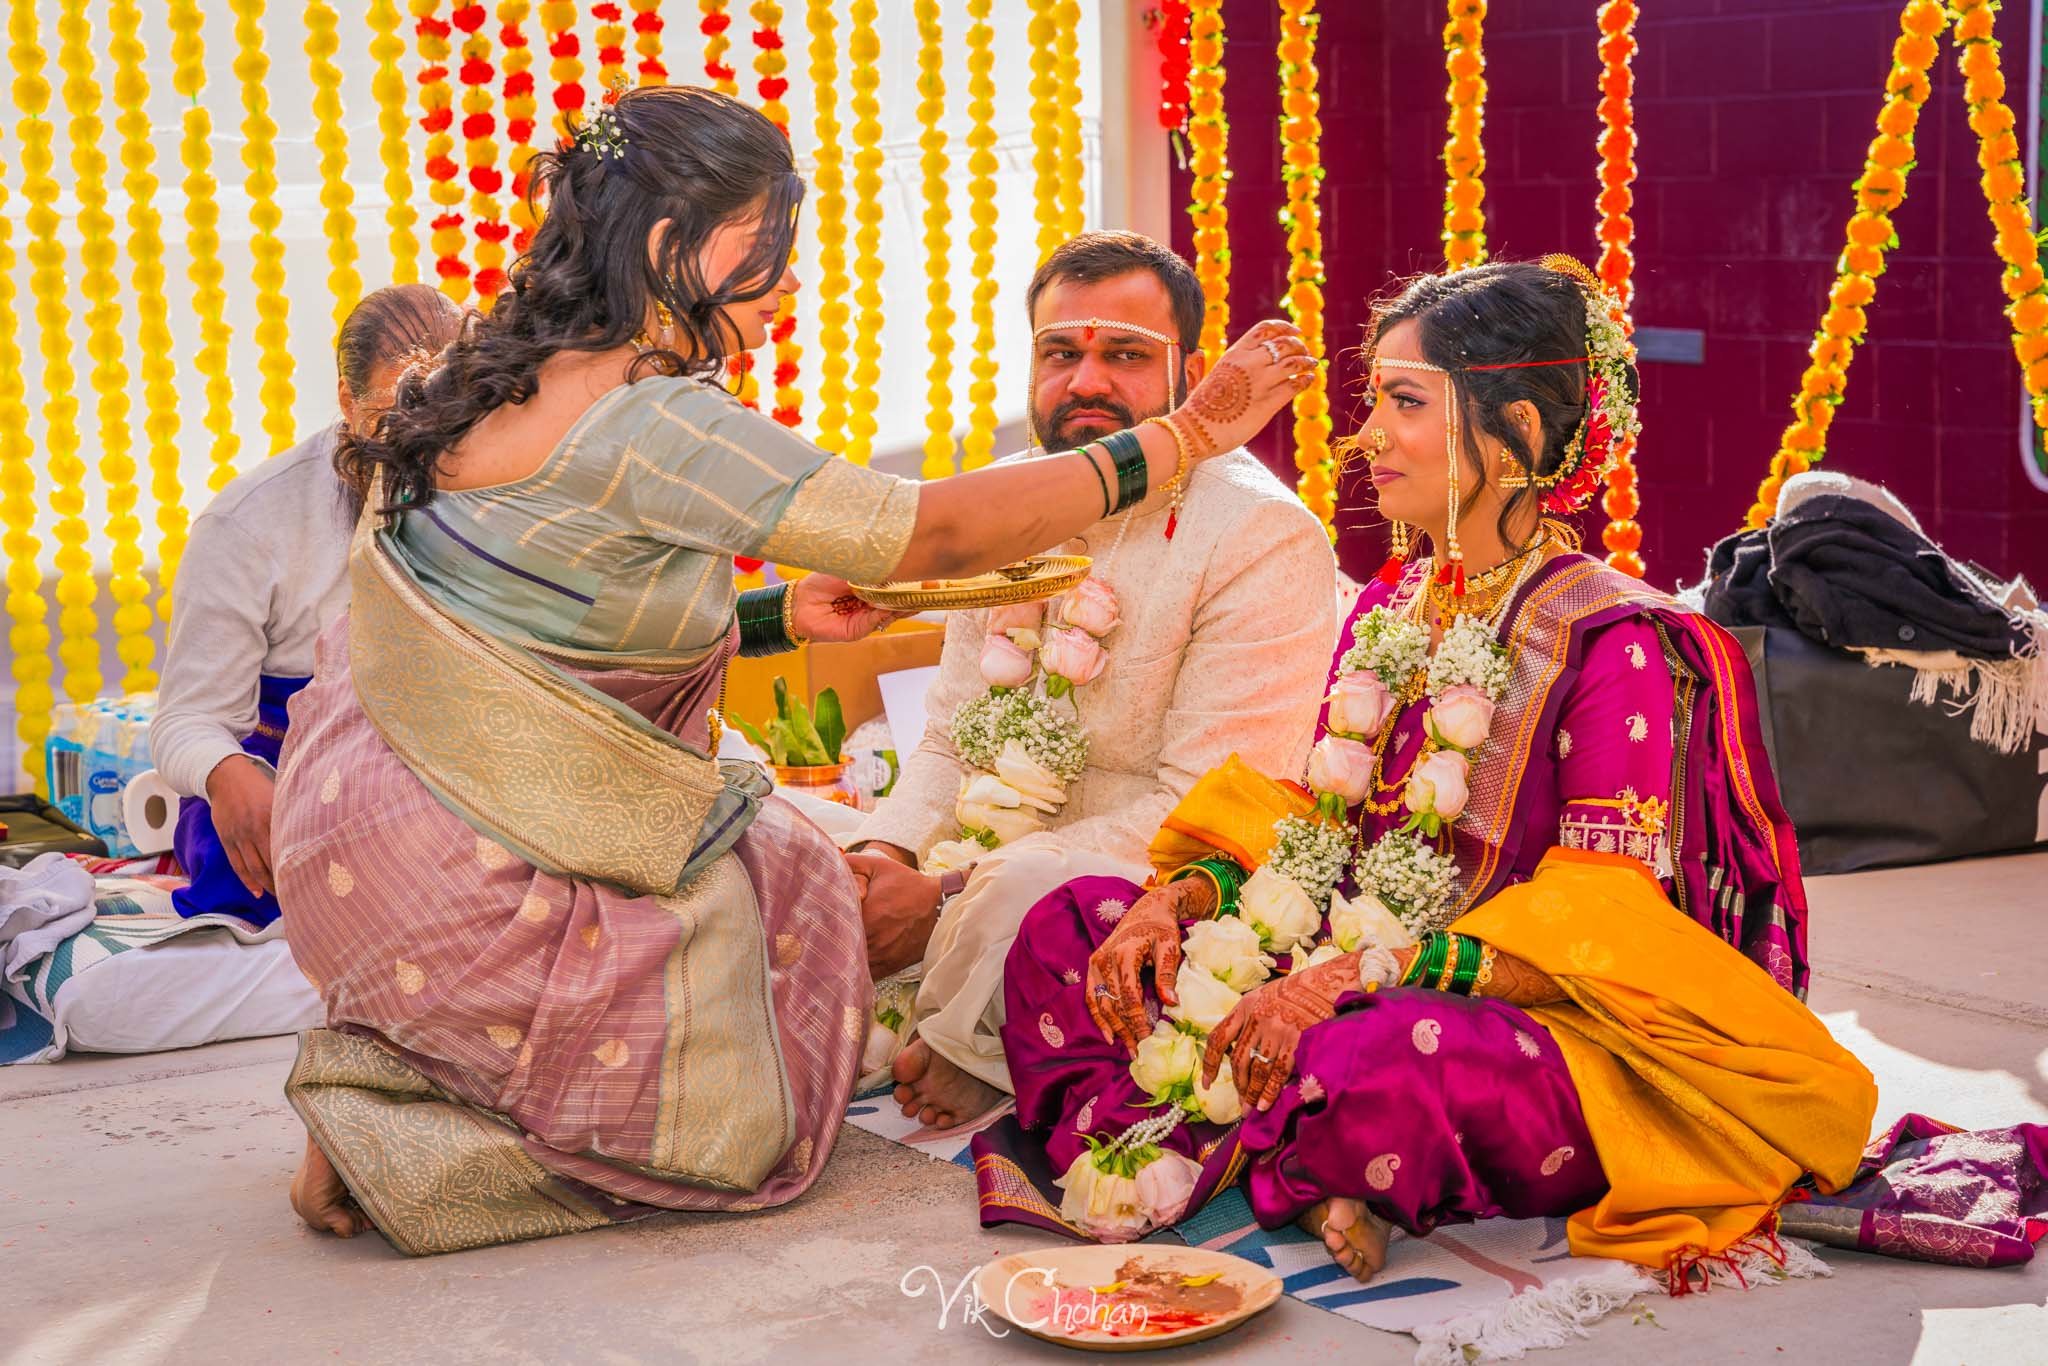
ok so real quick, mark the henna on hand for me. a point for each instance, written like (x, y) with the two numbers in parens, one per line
(1224, 395)
(1262, 1034)
(1149, 932)
(1519, 984)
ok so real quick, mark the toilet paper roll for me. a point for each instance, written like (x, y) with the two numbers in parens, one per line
(149, 808)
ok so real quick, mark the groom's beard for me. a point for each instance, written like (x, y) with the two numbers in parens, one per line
(1058, 431)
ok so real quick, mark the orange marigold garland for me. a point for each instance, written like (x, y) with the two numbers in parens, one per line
(480, 149)
(771, 83)
(1301, 170)
(718, 72)
(647, 26)
(1879, 192)
(1623, 535)
(1464, 154)
(611, 44)
(437, 121)
(1209, 164)
(522, 107)
(565, 60)
(2005, 193)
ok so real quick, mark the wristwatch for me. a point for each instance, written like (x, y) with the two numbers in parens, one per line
(951, 883)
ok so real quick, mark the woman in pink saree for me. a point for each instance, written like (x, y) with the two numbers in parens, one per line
(576, 969)
(1563, 974)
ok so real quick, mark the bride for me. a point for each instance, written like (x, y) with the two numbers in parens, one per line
(1564, 968)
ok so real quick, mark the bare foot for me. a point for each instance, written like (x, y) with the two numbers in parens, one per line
(1355, 1236)
(937, 1093)
(321, 1199)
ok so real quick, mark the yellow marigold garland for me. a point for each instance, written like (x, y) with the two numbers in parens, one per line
(2005, 194)
(202, 245)
(829, 181)
(1209, 166)
(719, 74)
(259, 155)
(565, 64)
(101, 285)
(1464, 155)
(647, 27)
(863, 51)
(938, 292)
(1879, 192)
(522, 110)
(1623, 535)
(331, 138)
(155, 347)
(1301, 171)
(388, 86)
(28, 638)
(1043, 32)
(77, 626)
(979, 444)
(1073, 186)
(437, 121)
(770, 64)
(480, 153)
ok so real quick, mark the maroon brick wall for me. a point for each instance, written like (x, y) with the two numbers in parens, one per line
(1753, 118)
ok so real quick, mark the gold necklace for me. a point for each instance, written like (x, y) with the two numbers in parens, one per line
(1483, 592)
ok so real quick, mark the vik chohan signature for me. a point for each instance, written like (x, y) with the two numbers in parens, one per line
(1029, 1288)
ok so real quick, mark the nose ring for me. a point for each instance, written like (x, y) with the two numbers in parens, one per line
(1379, 442)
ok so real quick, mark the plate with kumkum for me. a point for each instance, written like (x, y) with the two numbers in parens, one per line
(1041, 576)
(1137, 1297)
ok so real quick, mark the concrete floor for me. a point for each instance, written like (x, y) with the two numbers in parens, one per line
(143, 1215)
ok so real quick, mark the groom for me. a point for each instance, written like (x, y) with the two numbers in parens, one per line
(1226, 630)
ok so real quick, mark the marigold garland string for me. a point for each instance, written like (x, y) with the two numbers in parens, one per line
(205, 270)
(156, 355)
(1464, 155)
(864, 50)
(718, 72)
(565, 64)
(829, 182)
(611, 44)
(28, 636)
(1623, 535)
(77, 625)
(437, 121)
(1170, 34)
(1879, 192)
(1073, 182)
(978, 446)
(388, 86)
(522, 109)
(109, 373)
(771, 83)
(2005, 194)
(480, 153)
(331, 138)
(259, 155)
(1209, 165)
(1301, 171)
(1043, 32)
(647, 27)
(939, 318)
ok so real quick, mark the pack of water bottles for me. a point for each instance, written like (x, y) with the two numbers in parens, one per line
(95, 750)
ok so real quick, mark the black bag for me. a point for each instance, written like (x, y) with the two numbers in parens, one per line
(1873, 779)
(35, 827)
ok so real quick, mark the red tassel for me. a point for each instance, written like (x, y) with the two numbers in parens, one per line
(1390, 572)
(1443, 575)
(1172, 523)
(1458, 581)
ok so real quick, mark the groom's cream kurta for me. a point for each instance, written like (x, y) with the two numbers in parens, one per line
(1224, 646)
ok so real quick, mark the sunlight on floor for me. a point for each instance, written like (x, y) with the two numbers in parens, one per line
(1956, 1095)
(1951, 1335)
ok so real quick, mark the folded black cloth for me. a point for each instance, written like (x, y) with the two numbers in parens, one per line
(1738, 587)
(1854, 577)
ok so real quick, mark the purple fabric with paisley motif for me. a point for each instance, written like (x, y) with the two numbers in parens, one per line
(1936, 1194)
(1431, 1108)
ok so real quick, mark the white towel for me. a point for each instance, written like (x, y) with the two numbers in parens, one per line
(41, 906)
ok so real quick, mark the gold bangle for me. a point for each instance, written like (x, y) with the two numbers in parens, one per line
(1180, 449)
(789, 618)
(1443, 983)
(1484, 978)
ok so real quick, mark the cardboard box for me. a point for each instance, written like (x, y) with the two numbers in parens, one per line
(848, 669)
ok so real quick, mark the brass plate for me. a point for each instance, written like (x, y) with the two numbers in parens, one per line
(1041, 576)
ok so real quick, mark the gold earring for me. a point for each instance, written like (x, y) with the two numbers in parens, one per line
(1514, 474)
(1452, 571)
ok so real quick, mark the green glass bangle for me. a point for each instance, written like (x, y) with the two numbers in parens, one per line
(1228, 878)
(1428, 964)
(1133, 476)
(1469, 951)
(760, 617)
(1095, 468)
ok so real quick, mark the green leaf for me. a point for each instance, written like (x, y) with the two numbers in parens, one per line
(804, 743)
(779, 746)
(831, 723)
(760, 742)
(782, 697)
